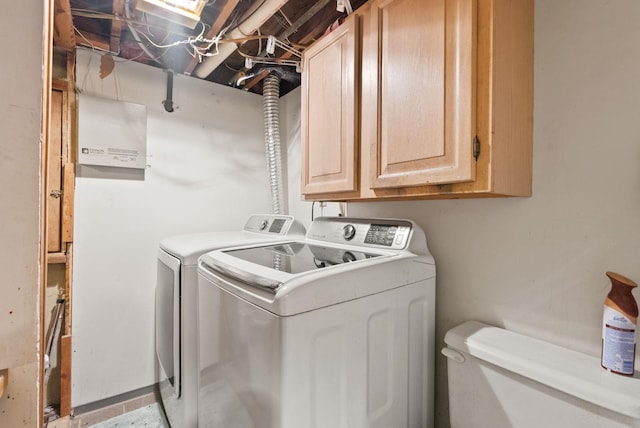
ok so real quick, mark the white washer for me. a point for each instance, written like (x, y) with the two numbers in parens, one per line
(336, 330)
(176, 306)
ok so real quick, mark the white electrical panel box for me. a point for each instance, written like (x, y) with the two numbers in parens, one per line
(111, 133)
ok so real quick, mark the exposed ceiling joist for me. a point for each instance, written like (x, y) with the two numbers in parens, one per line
(63, 34)
(285, 35)
(106, 25)
(116, 25)
(310, 13)
(252, 21)
(95, 41)
(216, 27)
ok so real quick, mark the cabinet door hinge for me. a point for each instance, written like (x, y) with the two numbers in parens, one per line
(476, 147)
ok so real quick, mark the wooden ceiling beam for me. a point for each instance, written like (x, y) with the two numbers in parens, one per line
(94, 41)
(305, 40)
(225, 12)
(63, 34)
(116, 25)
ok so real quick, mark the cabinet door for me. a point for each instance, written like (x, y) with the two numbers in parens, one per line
(330, 118)
(419, 92)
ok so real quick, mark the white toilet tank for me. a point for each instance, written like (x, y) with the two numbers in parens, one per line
(502, 379)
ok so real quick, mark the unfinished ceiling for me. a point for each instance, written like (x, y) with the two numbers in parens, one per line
(217, 49)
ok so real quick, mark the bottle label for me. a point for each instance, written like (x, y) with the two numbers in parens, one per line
(618, 342)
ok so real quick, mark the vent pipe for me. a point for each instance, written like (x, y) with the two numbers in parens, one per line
(271, 98)
(249, 23)
(168, 102)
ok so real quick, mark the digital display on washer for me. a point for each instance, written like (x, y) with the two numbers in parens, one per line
(296, 257)
(380, 234)
(276, 226)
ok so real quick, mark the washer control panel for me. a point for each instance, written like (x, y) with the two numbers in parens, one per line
(387, 235)
(392, 234)
(273, 224)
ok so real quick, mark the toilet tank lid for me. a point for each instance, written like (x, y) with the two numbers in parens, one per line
(566, 370)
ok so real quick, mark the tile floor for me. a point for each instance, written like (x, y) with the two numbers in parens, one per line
(139, 412)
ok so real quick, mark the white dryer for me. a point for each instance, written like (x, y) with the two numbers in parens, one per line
(336, 330)
(176, 306)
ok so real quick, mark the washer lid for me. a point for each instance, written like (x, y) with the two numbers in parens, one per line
(258, 228)
(296, 277)
(271, 266)
(298, 257)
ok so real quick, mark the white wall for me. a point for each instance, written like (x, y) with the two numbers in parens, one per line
(536, 265)
(206, 171)
(20, 111)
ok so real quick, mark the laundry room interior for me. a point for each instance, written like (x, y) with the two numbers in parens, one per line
(528, 253)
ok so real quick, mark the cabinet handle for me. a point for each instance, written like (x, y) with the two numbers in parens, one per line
(55, 193)
(476, 147)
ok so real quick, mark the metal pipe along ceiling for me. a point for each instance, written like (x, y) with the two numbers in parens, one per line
(251, 21)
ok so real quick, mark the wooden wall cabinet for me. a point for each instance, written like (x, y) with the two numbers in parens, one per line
(330, 120)
(445, 104)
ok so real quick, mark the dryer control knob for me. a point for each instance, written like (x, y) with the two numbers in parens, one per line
(348, 232)
(263, 224)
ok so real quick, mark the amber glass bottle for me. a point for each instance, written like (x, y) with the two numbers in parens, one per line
(619, 326)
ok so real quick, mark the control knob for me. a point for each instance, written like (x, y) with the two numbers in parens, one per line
(348, 257)
(348, 232)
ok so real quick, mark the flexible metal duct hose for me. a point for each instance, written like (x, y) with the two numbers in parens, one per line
(271, 97)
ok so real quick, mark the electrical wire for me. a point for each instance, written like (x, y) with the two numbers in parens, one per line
(246, 18)
(198, 46)
(83, 84)
(140, 55)
(146, 20)
(250, 60)
(286, 18)
(192, 44)
(116, 82)
(85, 13)
(93, 47)
(127, 12)
(231, 68)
